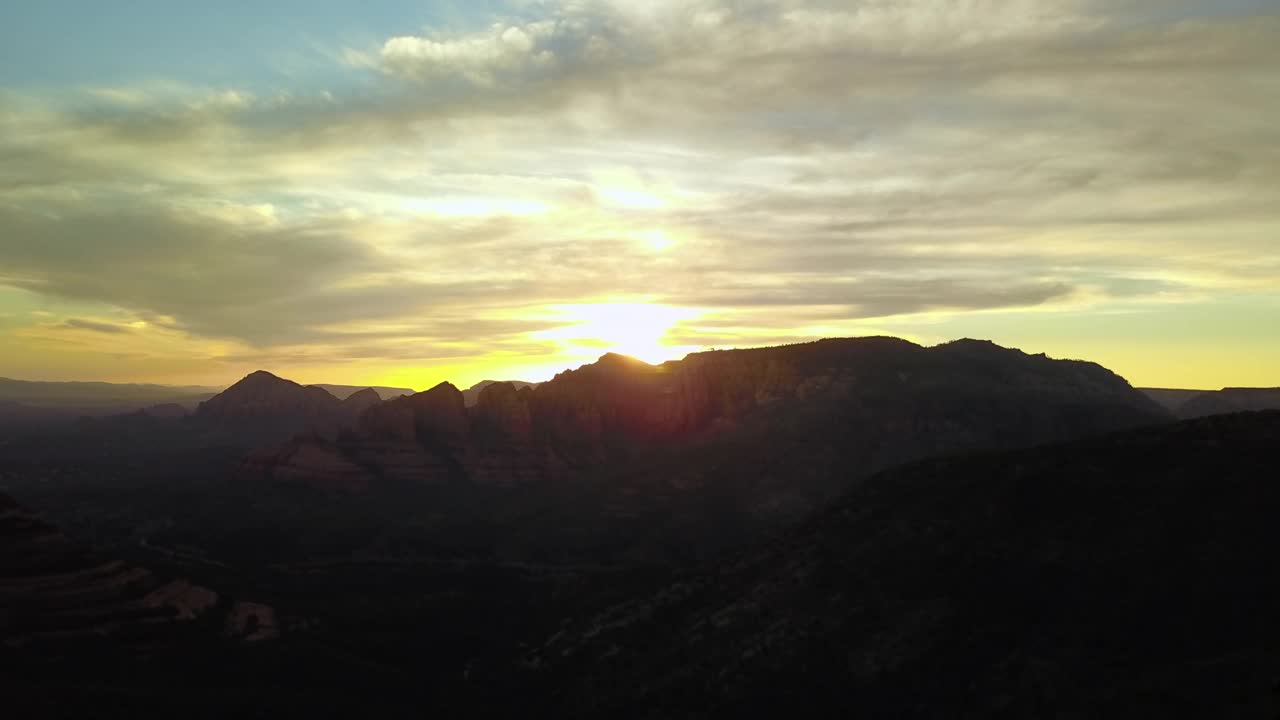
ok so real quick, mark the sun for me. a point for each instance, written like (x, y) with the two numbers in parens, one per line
(634, 329)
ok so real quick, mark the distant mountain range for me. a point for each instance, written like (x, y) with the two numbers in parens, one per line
(1189, 404)
(99, 395)
(342, 392)
(36, 406)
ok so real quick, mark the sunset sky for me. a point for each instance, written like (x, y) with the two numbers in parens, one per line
(419, 191)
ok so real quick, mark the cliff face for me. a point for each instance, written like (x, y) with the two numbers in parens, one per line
(871, 401)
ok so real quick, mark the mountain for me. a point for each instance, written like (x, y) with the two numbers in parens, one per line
(263, 408)
(1123, 576)
(263, 395)
(342, 392)
(472, 394)
(770, 431)
(1190, 404)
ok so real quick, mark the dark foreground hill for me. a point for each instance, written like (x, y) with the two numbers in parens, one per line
(1126, 576)
(1130, 575)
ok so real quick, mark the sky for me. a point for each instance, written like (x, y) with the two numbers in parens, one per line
(402, 193)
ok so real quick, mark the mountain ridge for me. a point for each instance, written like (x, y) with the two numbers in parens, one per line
(869, 402)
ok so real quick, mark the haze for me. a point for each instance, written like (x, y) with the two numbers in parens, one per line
(413, 192)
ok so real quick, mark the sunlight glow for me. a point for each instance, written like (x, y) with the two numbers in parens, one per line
(634, 329)
(656, 240)
(629, 198)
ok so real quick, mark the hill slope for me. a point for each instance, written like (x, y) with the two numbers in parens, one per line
(1124, 576)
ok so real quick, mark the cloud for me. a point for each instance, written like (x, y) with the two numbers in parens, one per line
(477, 59)
(101, 327)
(806, 164)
